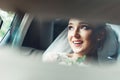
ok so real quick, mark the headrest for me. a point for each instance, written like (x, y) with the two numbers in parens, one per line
(116, 29)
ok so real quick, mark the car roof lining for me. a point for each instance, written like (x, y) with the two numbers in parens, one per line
(107, 10)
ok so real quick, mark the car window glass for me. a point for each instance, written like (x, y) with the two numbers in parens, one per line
(7, 17)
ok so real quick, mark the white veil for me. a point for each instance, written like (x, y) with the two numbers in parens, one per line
(110, 48)
(60, 44)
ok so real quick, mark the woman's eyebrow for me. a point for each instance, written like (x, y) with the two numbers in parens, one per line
(70, 23)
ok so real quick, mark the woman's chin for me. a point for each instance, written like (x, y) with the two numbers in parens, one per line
(77, 51)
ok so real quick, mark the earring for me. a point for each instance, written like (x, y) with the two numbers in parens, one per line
(98, 39)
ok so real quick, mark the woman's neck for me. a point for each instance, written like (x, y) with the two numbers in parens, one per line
(76, 55)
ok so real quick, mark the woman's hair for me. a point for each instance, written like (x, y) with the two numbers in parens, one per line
(98, 39)
(100, 34)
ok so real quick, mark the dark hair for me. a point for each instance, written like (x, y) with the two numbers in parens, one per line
(98, 39)
(100, 32)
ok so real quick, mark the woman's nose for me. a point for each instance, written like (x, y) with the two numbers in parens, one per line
(76, 34)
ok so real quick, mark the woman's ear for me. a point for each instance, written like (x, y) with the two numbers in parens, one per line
(101, 35)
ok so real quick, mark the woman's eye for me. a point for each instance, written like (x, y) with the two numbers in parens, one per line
(85, 27)
(70, 28)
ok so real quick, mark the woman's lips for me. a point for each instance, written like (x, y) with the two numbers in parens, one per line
(77, 43)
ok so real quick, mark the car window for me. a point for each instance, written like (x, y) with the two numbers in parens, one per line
(7, 17)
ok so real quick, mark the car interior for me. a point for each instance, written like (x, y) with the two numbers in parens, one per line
(40, 26)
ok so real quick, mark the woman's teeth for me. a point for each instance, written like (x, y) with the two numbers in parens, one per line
(76, 42)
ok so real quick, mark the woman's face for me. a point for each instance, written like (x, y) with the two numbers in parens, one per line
(79, 36)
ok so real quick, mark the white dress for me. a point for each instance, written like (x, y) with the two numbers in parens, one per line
(62, 58)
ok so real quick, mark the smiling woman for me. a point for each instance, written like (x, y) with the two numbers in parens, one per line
(85, 39)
